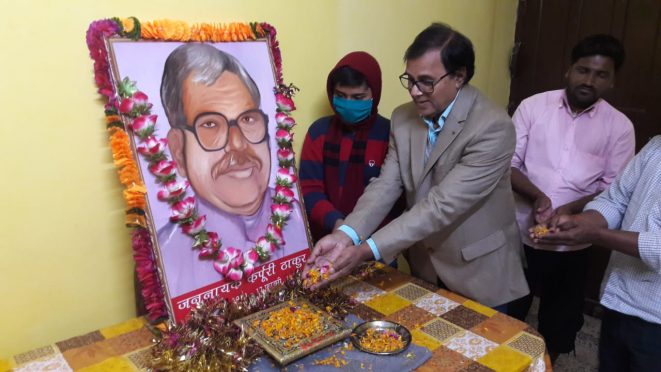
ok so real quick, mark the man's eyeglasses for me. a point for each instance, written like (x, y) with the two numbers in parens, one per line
(424, 86)
(212, 129)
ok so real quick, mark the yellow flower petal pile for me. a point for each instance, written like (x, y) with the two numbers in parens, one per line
(292, 324)
(381, 340)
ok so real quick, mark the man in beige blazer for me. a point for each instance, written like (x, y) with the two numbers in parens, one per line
(450, 152)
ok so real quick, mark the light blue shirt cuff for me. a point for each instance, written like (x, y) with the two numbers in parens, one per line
(351, 233)
(375, 251)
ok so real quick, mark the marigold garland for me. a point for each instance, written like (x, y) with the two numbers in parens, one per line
(166, 29)
(129, 175)
(135, 196)
(111, 119)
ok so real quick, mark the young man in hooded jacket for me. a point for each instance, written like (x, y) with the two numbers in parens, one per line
(344, 151)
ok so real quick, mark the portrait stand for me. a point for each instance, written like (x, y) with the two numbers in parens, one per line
(200, 127)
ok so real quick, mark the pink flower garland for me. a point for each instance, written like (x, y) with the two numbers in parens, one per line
(96, 34)
(275, 50)
(231, 263)
(145, 268)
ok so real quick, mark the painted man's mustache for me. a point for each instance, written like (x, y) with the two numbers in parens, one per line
(235, 160)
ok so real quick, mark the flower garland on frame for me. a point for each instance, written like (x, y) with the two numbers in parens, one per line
(129, 102)
(231, 263)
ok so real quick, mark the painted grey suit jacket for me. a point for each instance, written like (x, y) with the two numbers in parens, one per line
(459, 222)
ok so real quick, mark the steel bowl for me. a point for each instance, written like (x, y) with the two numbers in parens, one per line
(362, 328)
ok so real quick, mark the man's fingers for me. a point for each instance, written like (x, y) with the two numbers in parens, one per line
(318, 252)
(338, 274)
(313, 256)
(544, 216)
(565, 223)
(548, 213)
(556, 237)
(321, 248)
(543, 208)
(334, 275)
(340, 265)
(543, 204)
(333, 256)
(553, 222)
(306, 269)
(310, 262)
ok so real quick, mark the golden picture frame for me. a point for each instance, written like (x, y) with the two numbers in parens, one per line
(332, 331)
(189, 246)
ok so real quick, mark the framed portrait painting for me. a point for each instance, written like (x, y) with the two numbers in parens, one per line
(200, 128)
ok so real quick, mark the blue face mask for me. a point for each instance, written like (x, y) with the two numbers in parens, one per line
(352, 110)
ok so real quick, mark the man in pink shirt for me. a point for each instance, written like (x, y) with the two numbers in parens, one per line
(571, 144)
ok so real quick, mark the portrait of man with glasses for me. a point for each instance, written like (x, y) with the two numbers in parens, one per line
(219, 139)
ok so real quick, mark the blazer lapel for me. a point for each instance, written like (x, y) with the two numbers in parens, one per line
(417, 148)
(453, 126)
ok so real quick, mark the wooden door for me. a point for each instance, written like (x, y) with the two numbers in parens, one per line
(546, 31)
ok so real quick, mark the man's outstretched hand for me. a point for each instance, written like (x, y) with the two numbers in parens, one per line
(543, 209)
(333, 257)
(571, 229)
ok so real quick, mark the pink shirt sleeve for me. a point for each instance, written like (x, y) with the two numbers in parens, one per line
(521, 121)
(622, 151)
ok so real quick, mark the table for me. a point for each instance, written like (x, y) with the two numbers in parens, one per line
(462, 334)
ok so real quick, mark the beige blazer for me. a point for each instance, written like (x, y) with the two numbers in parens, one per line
(459, 220)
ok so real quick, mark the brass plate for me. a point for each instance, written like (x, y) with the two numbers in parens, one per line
(333, 331)
(362, 328)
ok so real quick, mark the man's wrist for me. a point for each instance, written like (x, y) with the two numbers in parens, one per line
(365, 252)
(596, 235)
(565, 209)
(539, 195)
(348, 235)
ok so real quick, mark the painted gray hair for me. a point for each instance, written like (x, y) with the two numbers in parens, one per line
(205, 63)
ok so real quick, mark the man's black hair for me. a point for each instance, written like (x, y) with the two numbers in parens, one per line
(600, 44)
(348, 77)
(456, 50)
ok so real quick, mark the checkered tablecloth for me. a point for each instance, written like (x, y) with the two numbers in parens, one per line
(462, 334)
(124, 347)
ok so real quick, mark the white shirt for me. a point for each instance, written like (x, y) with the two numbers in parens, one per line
(633, 203)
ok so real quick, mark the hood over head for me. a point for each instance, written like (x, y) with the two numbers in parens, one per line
(364, 63)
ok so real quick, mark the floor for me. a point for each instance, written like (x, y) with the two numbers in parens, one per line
(587, 342)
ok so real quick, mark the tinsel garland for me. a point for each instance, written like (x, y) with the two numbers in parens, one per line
(210, 341)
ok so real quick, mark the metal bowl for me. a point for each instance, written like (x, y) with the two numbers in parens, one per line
(362, 328)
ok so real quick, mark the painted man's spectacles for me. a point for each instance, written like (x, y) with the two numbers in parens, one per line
(212, 129)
